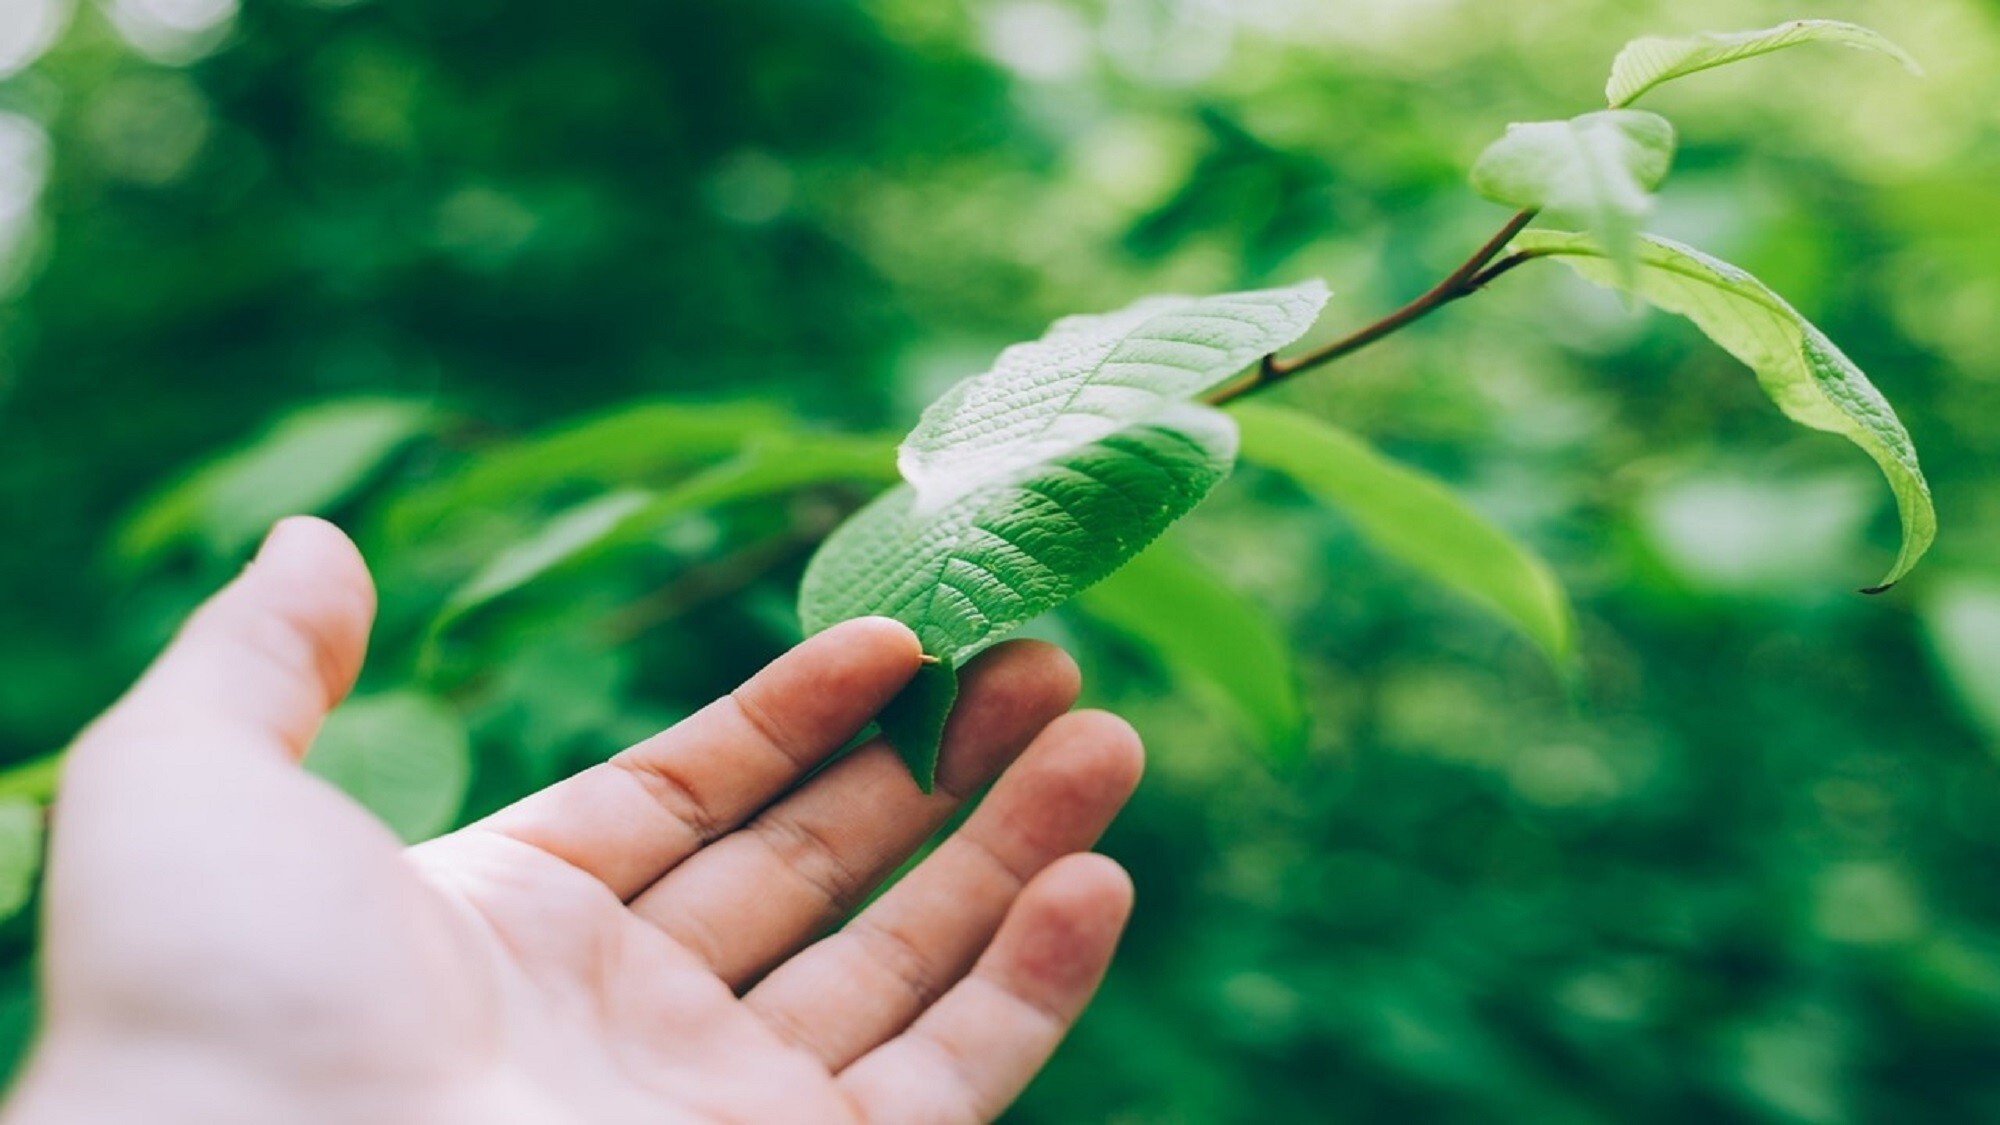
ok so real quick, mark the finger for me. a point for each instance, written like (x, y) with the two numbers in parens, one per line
(182, 816)
(756, 896)
(858, 987)
(268, 656)
(632, 818)
(969, 1057)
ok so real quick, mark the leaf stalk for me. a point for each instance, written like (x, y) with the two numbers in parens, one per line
(1469, 278)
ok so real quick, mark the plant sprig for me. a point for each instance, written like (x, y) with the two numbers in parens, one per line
(1028, 483)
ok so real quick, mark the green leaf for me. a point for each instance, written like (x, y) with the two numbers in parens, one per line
(1090, 376)
(640, 444)
(967, 575)
(598, 525)
(1597, 171)
(1028, 483)
(1210, 637)
(1962, 618)
(20, 853)
(1810, 379)
(569, 534)
(1652, 61)
(1414, 518)
(913, 722)
(404, 755)
(308, 462)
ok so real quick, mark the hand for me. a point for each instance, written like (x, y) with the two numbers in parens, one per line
(229, 939)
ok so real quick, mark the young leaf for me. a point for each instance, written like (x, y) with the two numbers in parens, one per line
(1652, 61)
(403, 755)
(307, 462)
(1597, 171)
(1030, 482)
(20, 853)
(1810, 379)
(1415, 519)
(1210, 637)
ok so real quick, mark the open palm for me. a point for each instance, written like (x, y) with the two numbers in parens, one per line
(230, 939)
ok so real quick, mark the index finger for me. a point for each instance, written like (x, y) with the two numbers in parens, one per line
(631, 819)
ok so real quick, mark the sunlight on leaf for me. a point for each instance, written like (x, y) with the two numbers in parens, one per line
(1652, 61)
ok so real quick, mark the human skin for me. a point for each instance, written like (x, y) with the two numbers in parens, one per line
(229, 939)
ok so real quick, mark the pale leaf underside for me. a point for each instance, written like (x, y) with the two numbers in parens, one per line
(1090, 376)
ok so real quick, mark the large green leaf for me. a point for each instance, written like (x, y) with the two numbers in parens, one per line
(967, 575)
(1415, 519)
(1090, 376)
(1597, 171)
(404, 755)
(1028, 483)
(1810, 379)
(306, 462)
(20, 853)
(1649, 62)
(1211, 637)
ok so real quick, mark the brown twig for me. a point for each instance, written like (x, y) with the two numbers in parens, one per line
(1464, 281)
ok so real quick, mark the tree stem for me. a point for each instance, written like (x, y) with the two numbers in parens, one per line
(1464, 281)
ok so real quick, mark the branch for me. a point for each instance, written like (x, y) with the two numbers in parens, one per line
(1464, 281)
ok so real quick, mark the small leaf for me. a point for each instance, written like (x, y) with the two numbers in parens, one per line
(1415, 519)
(307, 462)
(563, 538)
(1652, 61)
(1597, 171)
(1028, 483)
(1810, 379)
(913, 722)
(403, 755)
(20, 853)
(1211, 637)
(602, 523)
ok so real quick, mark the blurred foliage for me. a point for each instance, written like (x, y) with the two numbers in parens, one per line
(389, 260)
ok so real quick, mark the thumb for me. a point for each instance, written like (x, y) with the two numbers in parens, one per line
(267, 657)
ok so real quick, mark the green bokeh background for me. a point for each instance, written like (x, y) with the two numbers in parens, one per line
(1745, 868)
